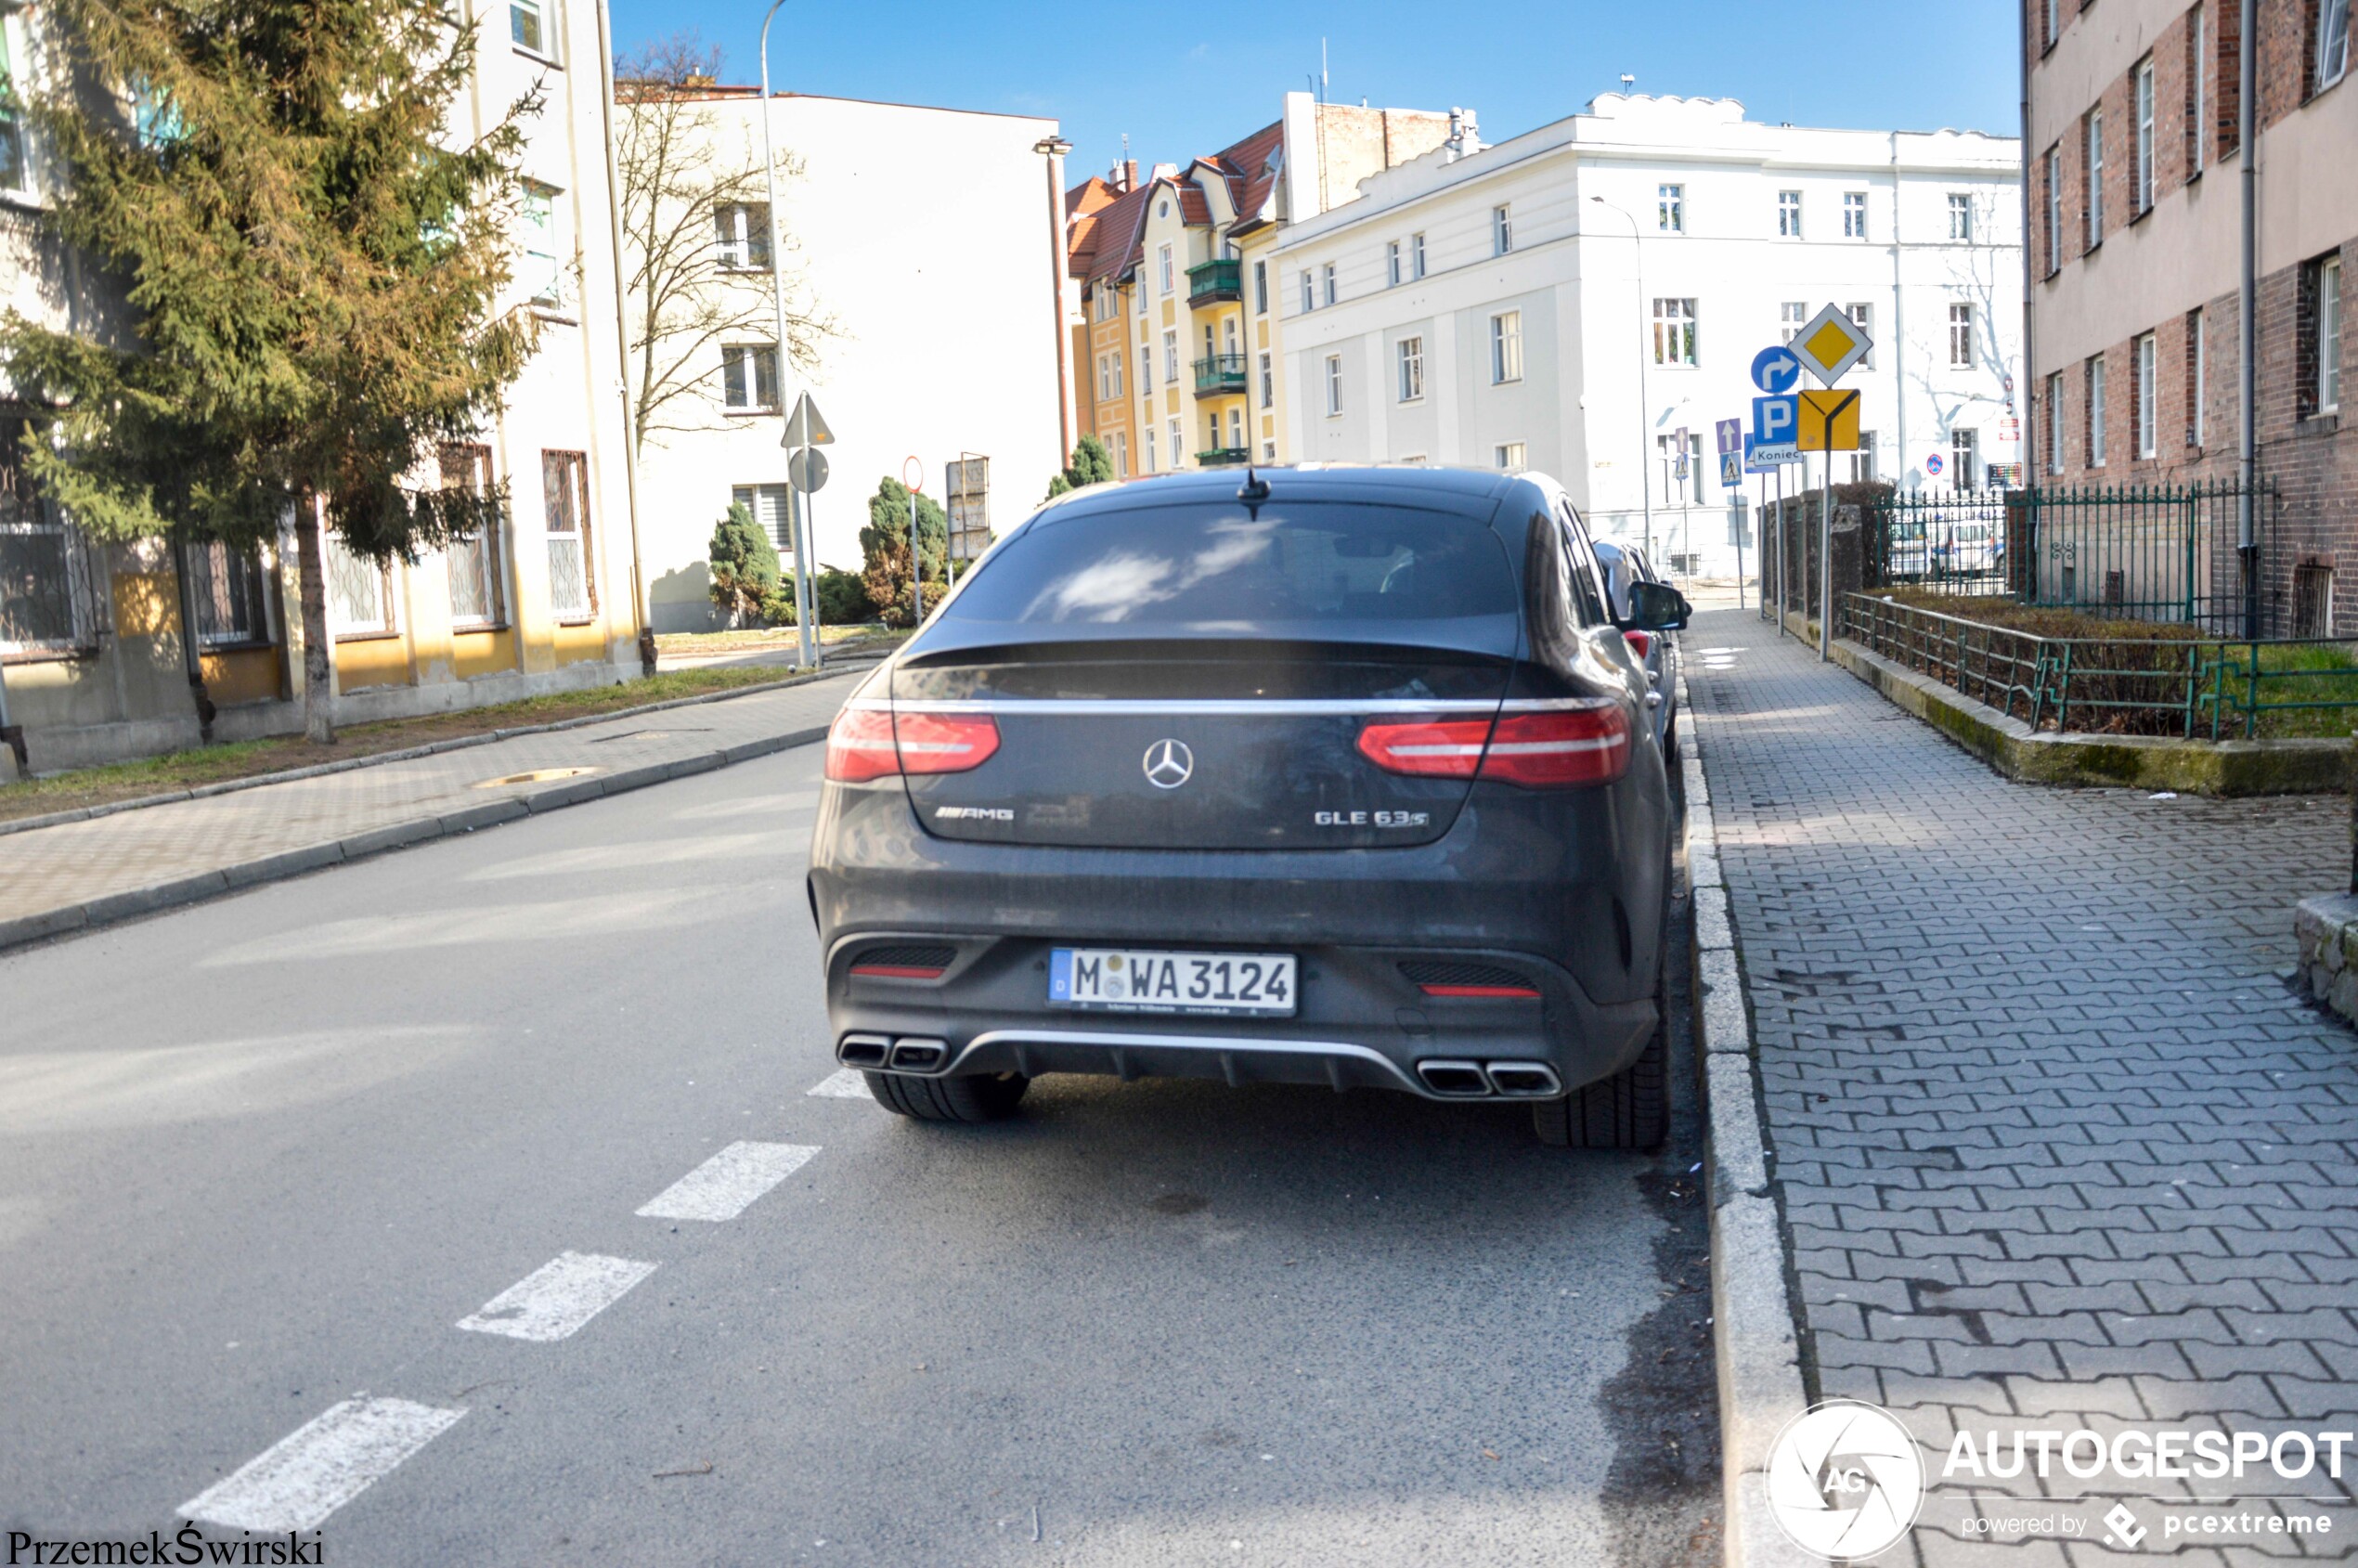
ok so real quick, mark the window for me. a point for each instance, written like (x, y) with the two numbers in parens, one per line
(1122, 453)
(1674, 331)
(1268, 379)
(2333, 43)
(45, 583)
(540, 269)
(1862, 316)
(2198, 94)
(1965, 459)
(1171, 355)
(2321, 301)
(1509, 455)
(1261, 287)
(2313, 600)
(1171, 433)
(771, 508)
(2093, 373)
(229, 590)
(1862, 462)
(1960, 216)
(1268, 452)
(2054, 22)
(12, 159)
(1789, 215)
(2140, 197)
(1854, 214)
(1309, 300)
(528, 27)
(360, 590)
(1416, 256)
(2055, 424)
(1412, 368)
(1141, 291)
(1670, 209)
(2143, 416)
(2054, 210)
(1334, 385)
(1236, 429)
(1121, 382)
(749, 377)
(1392, 262)
(2093, 200)
(743, 235)
(476, 601)
(1327, 283)
(564, 485)
(1502, 231)
(1149, 433)
(1792, 317)
(1671, 450)
(1506, 347)
(1960, 334)
(1162, 261)
(2198, 377)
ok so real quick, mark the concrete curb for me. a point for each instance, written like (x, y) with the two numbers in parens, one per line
(1752, 1315)
(394, 836)
(410, 753)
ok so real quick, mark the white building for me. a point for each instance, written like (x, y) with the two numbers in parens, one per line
(1494, 307)
(931, 240)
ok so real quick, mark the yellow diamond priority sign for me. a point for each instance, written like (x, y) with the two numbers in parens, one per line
(1829, 345)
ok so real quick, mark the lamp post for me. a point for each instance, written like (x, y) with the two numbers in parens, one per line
(1049, 150)
(806, 648)
(1645, 409)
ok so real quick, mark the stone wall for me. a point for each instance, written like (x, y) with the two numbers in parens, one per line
(2328, 928)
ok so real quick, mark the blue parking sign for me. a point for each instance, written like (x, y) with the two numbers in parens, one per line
(1776, 422)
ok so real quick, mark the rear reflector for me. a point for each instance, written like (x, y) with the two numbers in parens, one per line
(1554, 747)
(1641, 643)
(1514, 990)
(909, 972)
(870, 743)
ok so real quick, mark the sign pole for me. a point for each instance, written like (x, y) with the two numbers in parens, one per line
(1826, 544)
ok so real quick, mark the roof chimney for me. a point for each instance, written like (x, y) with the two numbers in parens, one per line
(1465, 140)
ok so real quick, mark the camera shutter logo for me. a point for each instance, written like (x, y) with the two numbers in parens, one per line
(1169, 764)
(1846, 1480)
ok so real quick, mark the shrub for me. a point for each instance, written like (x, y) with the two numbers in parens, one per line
(745, 565)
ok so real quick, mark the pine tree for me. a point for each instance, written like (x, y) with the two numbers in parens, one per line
(744, 564)
(1092, 464)
(314, 279)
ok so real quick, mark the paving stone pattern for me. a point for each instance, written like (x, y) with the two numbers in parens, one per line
(2052, 1135)
(73, 863)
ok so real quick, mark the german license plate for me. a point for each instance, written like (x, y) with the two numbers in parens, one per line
(1125, 981)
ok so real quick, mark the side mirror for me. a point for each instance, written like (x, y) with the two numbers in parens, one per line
(1657, 607)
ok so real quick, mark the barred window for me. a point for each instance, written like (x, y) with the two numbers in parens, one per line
(360, 600)
(46, 600)
(476, 600)
(564, 484)
(228, 593)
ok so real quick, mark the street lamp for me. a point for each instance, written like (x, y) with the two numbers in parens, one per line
(806, 651)
(1051, 149)
(1645, 409)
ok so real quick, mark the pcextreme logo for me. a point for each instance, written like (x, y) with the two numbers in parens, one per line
(1844, 1480)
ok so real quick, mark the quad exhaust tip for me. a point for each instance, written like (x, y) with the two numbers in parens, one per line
(863, 1050)
(919, 1056)
(1468, 1081)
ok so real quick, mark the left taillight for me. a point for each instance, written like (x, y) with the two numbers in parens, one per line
(1555, 748)
(872, 743)
(1447, 749)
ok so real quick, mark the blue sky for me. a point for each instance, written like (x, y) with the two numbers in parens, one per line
(1179, 88)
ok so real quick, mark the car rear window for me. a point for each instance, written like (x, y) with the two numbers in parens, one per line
(1173, 567)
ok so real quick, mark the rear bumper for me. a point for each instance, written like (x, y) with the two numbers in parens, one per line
(1361, 1022)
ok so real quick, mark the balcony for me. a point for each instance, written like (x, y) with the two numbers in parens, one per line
(1215, 281)
(1220, 456)
(1218, 373)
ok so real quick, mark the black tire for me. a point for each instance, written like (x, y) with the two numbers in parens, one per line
(1629, 1110)
(1670, 739)
(981, 1097)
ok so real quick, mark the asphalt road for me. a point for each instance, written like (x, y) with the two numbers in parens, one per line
(260, 1158)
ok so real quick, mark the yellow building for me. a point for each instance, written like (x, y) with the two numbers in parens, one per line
(1180, 346)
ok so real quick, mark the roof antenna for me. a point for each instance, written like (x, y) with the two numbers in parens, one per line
(1253, 491)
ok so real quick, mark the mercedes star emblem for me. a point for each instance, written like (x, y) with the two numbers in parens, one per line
(1169, 764)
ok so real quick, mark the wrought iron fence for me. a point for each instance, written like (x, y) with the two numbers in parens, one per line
(2154, 552)
(2182, 683)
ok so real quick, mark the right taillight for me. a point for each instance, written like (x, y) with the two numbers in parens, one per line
(1641, 643)
(872, 743)
(1559, 747)
(1556, 747)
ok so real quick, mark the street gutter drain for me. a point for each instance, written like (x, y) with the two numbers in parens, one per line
(538, 775)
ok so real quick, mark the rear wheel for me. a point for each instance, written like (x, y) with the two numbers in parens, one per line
(1631, 1109)
(981, 1097)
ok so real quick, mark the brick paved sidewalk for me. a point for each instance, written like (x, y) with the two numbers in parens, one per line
(2050, 1137)
(167, 853)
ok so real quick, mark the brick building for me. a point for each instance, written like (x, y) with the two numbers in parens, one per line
(2133, 252)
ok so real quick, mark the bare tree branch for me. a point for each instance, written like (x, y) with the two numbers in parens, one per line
(682, 164)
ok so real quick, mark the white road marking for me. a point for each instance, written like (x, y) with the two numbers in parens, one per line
(847, 1085)
(726, 1185)
(557, 1298)
(316, 1469)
